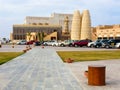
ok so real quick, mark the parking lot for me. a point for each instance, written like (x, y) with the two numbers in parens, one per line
(19, 48)
(9, 48)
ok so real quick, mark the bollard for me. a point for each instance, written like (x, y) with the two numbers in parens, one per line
(96, 75)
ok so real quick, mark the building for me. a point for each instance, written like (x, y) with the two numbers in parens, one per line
(81, 26)
(108, 32)
(75, 26)
(20, 31)
(48, 25)
(54, 19)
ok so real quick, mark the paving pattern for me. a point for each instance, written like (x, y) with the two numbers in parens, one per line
(38, 69)
(112, 74)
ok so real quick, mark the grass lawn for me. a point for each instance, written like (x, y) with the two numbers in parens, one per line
(7, 56)
(89, 55)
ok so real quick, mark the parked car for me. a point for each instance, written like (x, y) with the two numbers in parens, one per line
(22, 42)
(37, 43)
(49, 43)
(57, 43)
(30, 42)
(100, 43)
(91, 44)
(111, 43)
(117, 45)
(67, 43)
(81, 43)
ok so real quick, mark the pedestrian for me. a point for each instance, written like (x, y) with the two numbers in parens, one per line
(0, 43)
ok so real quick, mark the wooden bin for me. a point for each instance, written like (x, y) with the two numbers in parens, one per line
(96, 75)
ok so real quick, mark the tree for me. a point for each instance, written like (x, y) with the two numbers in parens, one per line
(29, 35)
(42, 36)
(38, 36)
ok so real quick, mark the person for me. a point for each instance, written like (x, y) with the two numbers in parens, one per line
(0, 43)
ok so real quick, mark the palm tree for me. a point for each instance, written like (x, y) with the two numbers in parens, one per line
(38, 36)
(42, 36)
(29, 35)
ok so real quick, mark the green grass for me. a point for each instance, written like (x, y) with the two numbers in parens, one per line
(89, 55)
(7, 56)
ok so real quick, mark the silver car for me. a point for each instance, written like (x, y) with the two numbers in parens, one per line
(22, 42)
(117, 45)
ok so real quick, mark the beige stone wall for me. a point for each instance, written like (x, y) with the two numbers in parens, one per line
(20, 31)
(11, 36)
(48, 37)
(86, 25)
(33, 36)
(76, 26)
(66, 25)
(105, 31)
(55, 18)
(93, 34)
(81, 26)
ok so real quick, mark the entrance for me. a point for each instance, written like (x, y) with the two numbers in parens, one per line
(53, 38)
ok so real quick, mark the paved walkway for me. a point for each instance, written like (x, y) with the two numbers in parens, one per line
(112, 74)
(38, 69)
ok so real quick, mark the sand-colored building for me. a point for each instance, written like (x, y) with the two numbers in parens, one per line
(55, 23)
(107, 32)
(81, 26)
(20, 31)
(58, 26)
(86, 25)
(54, 19)
(76, 26)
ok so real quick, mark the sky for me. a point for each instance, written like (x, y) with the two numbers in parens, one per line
(102, 12)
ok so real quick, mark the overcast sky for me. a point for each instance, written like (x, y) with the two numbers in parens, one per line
(103, 12)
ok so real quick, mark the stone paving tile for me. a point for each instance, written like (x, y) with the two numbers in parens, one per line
(38, 69)
(112, 74)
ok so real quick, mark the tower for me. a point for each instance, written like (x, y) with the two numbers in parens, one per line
(76, 26)
(66, 25)
(86, 25)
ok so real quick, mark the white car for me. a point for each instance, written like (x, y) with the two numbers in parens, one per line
(117, 45)
(90, 44)
(49, 43)
(56, 43)
(22, 42)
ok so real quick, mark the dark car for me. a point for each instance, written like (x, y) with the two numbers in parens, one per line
(30, 42)
(111, 43)
(100, 43)
(38, 43)
(81, 43)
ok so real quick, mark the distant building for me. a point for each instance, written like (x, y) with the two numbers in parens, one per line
(107, 32)
(48, 25)
(81, 25)
(54, 19)
(64, 26)
(20, 31)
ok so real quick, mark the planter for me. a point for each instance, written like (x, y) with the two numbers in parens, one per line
(69, 60)
(12, 46)
(24, 51)
(86, 74)
(27, 49)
